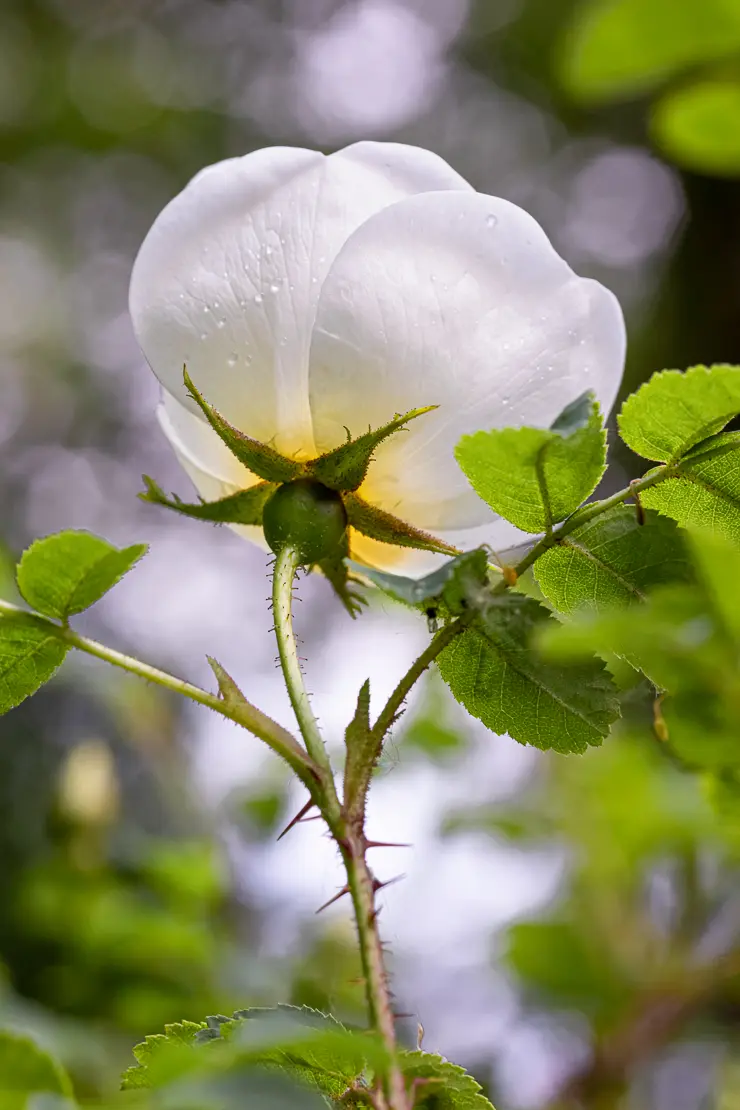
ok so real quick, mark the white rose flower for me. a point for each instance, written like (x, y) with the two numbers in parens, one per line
(309, 296)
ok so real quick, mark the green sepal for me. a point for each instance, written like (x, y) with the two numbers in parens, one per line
(243, 507)
(457, 586)
(260, 458)
(382, 526)
(345, 468)
(335, 568)
(362, 755)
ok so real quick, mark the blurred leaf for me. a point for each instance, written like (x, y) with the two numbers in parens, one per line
(25, 1069)
(570, 968)
(705, 491)
(346, 466)
(440, 1084)
(493, 672)
(453, 585)
(68, 572)
(157, 1046)
(617, 48)
(308, 1046)
(612, 560)
(698, 126)
(675, 410)
(30, 653)
(537, 477)
(429, 730)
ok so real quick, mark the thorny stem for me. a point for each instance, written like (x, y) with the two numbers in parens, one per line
(361, 883)
(582, 516)
(248, 716)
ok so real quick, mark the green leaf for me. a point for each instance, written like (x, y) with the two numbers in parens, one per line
(674, 411)
(704, 488)
(260, 458)
(455, 585)
(537, 477)
(68, 572)
(441, 1085)
(157, 1049)
(386, 528)
(243, 507)
(30, 653)
(362, 755)
(618, 48)
(306, 1045)
(345, 468)
(336, 569)
(698, 126)
(494, 672)
(612, 560)
(26, 1069)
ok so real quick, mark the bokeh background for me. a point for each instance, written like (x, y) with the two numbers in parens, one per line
(568, 928)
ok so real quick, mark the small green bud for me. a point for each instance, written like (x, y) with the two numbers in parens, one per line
(309, 516)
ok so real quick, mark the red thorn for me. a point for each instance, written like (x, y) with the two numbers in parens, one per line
(385, 844)
(335, 898)
(298, 817)
(377, 885)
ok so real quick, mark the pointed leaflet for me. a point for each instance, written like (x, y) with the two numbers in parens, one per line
(69, 571)
(345, 467)
(537, 477)
(157, 1054)
(612, 560)
(703, 489)
(387, 528)
(440, 1084)
(455, 585)
(30, 653)
(260, 458)
(27, 1070)
(496, 675)
(243, 507)
(362, 755)
(674, 411)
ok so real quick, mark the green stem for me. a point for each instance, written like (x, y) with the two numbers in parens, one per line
(286, 566)
(583, 516)
(436, 646)
(350, 837)
(242, 712)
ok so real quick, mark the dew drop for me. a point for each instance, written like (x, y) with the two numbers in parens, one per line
(491, 220)
(204, 335)
(206, 309)
(232, 359)
(274, 288)
(268, 252)
(258, 298)
(182, 296)
(314, 281)
(220, 323)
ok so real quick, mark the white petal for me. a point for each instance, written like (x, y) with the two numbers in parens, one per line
(228, 277)
(457, 300)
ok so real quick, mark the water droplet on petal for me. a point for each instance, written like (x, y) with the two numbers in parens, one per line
(206, 309)
(274, 288)
(232, 359)
(491, 220)
(258, 298)
(220, 323)
(204, 335)
(268, 251)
